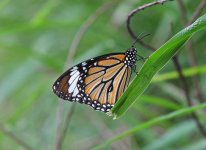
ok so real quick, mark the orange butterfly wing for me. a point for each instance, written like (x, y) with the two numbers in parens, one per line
(97, 82)
(107, 81)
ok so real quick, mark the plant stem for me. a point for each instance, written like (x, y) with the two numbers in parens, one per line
(175, 60)
(60, 134)
(189, 45)
(14, 137)
(187, 95)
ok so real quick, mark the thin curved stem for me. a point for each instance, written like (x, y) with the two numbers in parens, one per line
(134, 11)
(14, 137)
(175, 60)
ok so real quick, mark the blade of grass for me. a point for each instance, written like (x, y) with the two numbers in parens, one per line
(174, 135)
(157, 120)
(174, 75)
(155, 62)
(165, 103)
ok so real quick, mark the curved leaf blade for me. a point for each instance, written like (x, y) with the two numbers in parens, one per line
(154, 64)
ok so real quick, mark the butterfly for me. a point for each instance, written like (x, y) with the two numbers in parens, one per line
(98, 82)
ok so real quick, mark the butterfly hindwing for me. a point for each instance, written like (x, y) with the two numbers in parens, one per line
(69, 86)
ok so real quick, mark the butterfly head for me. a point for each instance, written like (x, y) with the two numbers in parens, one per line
(131, 57)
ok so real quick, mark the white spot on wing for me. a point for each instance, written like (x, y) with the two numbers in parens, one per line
(76, 91)
(73, 72)
(73, 85)
(84, 63)
(74, 68)
(73, 77)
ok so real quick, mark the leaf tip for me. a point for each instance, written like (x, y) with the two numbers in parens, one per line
(110, 114)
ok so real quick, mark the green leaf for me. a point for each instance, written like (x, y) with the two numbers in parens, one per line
(181, 112)
(165, 103)
(174, 135)
(174, 75)
(155, 63)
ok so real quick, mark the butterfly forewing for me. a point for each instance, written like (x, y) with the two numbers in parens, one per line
(98, 82)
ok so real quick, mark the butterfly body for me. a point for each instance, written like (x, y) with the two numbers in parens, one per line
(97, 82)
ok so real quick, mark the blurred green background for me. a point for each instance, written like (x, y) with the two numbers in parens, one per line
(35, 39)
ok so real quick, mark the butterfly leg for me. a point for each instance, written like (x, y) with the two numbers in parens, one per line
(142, 58)
(135, 69)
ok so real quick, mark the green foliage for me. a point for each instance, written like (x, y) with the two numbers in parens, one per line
(35, 37)
(154, 63)
(152, 122)
(174, 75)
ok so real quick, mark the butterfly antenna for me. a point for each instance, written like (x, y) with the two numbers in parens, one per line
(139, 38)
